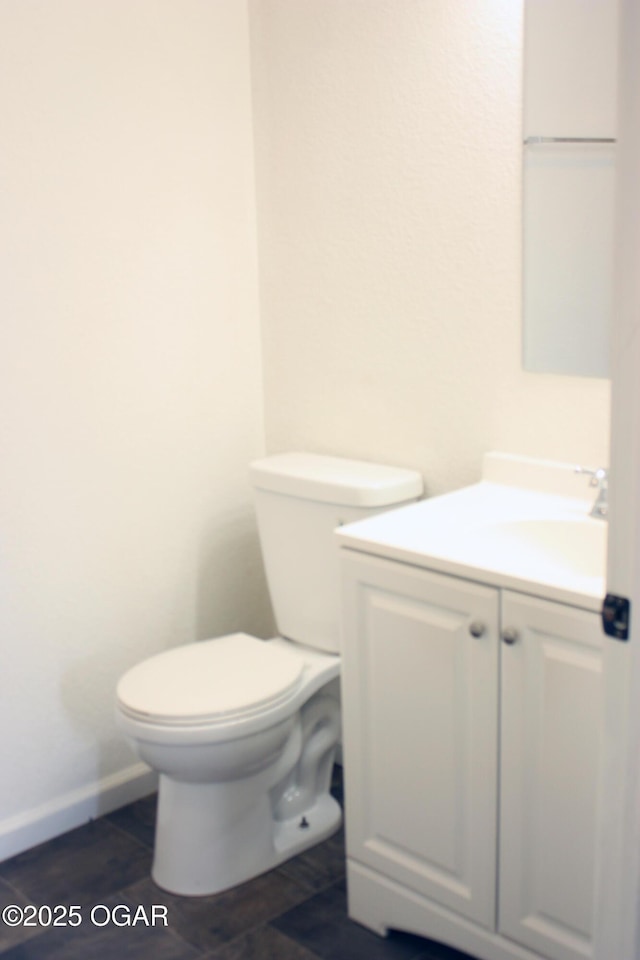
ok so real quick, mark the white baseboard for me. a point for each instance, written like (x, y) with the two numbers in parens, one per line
(27, 830)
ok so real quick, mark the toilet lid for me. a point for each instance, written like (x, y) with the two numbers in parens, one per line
(215, 680)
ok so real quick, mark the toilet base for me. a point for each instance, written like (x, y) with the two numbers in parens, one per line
(213, 836)
(318, 823)
(194, 858)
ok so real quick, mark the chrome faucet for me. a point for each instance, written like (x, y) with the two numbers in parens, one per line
(599, 479)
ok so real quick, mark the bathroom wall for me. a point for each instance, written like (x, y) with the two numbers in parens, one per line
(389, 148)
(388, 173)
(130, 382)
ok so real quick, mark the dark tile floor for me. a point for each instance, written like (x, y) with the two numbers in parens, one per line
(297, 912)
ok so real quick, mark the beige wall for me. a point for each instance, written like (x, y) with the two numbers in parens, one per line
(388, 137)
(388, 170)
(130, 390)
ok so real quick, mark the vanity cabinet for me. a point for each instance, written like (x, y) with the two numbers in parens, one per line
(472, 719)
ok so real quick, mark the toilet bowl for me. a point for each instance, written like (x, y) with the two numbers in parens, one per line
(243, 731)
(243, 734)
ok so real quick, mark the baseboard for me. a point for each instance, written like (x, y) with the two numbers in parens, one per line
(65, 813)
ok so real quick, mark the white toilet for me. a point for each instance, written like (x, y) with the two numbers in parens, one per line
(243, 731)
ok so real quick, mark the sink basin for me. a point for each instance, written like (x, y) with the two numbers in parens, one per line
(578, 545)
(528, 531)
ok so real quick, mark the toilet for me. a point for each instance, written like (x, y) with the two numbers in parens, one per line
(243, 731)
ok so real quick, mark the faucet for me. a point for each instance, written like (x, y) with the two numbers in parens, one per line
(599, 479)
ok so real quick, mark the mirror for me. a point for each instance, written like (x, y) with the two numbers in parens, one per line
(570, 64)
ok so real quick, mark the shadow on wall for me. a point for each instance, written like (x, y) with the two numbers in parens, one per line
(232, 593)
(227, 593)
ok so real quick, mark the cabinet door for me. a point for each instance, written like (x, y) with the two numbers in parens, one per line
(420, 730)
(551, 725)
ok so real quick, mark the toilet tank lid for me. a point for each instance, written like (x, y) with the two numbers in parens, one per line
(356, 483)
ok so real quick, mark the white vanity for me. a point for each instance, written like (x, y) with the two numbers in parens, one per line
(472, 711)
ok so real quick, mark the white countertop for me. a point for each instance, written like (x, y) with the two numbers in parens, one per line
(519, 537)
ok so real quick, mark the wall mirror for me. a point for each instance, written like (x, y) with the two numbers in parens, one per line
(569, 149)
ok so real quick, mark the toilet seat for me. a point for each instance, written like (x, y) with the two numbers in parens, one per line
(229, 678)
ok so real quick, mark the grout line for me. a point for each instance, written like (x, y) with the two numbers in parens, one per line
(258, 926)
(32, 936)
(128, 833)
(199, 954)
(16, 890)
(305, 885)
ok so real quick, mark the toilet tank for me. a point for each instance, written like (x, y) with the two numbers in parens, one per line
(300, 499)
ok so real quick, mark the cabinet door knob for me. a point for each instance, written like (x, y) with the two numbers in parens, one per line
(477, 628)
(509, 635)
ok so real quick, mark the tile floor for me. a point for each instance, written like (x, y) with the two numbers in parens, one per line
(297, 912)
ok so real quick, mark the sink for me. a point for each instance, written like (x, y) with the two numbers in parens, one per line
(528, 530)
(578, 545)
